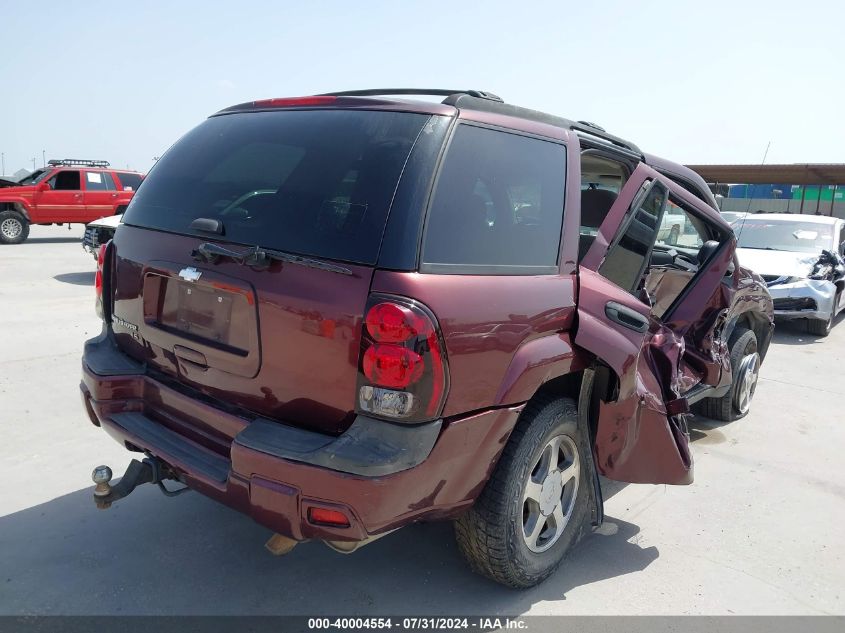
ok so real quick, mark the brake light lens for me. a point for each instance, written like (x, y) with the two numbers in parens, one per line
(98, 280)
(290, 102)
(393, 323)
(324, 516)
(392, 365)
(402, 372)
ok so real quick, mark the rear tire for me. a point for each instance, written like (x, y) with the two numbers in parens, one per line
(536, 504)
(14, 228)
(743, 345)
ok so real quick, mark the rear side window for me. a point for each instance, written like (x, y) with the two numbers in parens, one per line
(627, 258)
(311, 182)
(128, 182)
(498, 205)
(99, 181)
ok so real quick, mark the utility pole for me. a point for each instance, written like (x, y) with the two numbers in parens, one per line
(43, 158)
(3, 162)
(33, 163)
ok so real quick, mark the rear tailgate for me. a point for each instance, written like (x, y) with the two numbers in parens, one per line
(280, 340)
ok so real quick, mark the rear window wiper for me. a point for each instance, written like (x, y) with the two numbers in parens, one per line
(258, 257)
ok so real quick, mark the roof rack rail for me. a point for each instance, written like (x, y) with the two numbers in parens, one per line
(77, 162)
(437, 92)
(585, 127)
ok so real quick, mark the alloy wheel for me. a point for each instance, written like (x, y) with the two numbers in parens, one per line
(11, 228)
(550, 492)
(747, 374)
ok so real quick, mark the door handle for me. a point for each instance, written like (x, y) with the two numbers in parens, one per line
(625, 316)
(190, 357)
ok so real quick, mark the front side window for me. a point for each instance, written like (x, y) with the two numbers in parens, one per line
(628, 256)
(498, 205)
(67, 180)
(660, 249)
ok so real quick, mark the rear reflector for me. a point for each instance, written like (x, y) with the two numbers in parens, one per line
(324, 516)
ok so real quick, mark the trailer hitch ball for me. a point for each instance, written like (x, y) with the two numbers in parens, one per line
(102, 476)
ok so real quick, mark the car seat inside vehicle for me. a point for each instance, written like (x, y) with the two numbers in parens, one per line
(601, 181)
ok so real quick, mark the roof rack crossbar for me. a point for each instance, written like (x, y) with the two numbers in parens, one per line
(77, 162)
(436, 92)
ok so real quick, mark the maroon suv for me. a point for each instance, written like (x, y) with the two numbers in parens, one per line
(344, 313)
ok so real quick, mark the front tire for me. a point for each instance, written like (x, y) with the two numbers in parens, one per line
(14, 228)
(820, 327)
(745, 368)
(536, 504)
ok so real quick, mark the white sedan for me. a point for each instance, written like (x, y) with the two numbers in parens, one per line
(800, 258)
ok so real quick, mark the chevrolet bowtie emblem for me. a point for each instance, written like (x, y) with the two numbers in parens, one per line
(190, 274)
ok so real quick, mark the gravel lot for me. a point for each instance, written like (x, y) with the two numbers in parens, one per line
(759, 532)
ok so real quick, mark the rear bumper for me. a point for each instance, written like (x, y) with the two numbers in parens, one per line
(380, 475)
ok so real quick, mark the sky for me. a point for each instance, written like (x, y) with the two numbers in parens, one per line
(695, 82)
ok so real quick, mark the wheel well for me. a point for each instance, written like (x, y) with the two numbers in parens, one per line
(586, 388)
(602, 384)
(757, 323)
(566, 386)
(14, 206)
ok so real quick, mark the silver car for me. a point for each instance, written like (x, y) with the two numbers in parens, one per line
(99, 232)
(800, 257)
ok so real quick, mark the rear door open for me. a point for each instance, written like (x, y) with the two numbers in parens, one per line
(641, 434)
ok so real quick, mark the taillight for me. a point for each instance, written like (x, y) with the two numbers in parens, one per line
(402, 370)
(98, 279)
(325, 516)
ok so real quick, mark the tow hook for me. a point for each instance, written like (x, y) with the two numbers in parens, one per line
(150, 470)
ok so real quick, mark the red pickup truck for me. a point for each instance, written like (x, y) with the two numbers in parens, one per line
(66, 191)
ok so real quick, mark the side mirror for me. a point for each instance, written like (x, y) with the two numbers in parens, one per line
(706, 251)
(44, 186)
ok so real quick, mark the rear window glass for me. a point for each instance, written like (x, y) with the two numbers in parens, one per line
(129, 182)
(498, 204)
(316, 182)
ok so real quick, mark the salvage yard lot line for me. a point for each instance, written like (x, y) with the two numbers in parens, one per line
(48, 357)
(722, 564)
(797, 384)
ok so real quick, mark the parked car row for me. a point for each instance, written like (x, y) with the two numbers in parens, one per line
(341, 314)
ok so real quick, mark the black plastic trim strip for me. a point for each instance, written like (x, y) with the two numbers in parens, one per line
(370, 447)
(167, 444)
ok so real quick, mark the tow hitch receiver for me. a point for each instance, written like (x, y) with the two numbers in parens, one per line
(150, 470)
